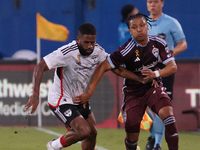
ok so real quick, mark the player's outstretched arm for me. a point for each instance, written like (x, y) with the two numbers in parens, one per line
(122, 72)
(101, 69)
(36, 80)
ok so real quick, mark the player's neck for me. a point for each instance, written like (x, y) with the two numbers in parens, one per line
(155, 17)
(143, 42)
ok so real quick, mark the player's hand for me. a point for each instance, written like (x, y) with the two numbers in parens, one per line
(148, 73)
(33, 102)
(145, 81)
(82, 99)
(154, 83)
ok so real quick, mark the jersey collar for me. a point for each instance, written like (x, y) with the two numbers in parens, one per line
(136, 43)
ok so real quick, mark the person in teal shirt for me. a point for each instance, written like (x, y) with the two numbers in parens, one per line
(123, 30)
(169, 29)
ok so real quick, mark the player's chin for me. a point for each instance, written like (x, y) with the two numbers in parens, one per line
(88, 52)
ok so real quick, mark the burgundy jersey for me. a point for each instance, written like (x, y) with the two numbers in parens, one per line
(134, 57)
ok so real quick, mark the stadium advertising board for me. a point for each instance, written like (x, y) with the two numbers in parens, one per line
(187, 96)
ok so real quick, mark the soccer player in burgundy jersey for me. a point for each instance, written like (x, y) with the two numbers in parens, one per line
(140, 55)
(169, 29)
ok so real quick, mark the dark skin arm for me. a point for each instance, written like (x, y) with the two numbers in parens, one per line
(101, 69)
(170, 68)
(36, 80)
(122, 72)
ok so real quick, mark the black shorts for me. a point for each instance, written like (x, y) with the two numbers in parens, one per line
(67, 112)
(168, 82)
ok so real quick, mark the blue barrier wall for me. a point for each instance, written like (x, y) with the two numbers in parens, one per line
(18, 25)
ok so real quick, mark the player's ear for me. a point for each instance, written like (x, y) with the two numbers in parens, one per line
(77, 38)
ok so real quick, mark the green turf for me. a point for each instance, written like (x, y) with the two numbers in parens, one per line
(28, 138)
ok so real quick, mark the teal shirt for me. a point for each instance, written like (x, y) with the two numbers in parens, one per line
(123, 33)
(167, 28)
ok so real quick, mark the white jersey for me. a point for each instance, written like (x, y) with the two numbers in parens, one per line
(73, 72)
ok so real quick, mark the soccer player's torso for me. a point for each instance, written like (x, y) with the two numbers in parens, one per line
(75, 72)
(135, 57)
(140, 56)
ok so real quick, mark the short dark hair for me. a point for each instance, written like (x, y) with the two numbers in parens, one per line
(87, 28)
(138, 15)
(127, 9)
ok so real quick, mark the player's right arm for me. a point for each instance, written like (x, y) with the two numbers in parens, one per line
(101, 69)
(123, 72)
(36, 80)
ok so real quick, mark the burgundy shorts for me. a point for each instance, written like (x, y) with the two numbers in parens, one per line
(134, 107)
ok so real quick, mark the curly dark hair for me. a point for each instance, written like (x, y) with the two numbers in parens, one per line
(139, 15)
(87, 28)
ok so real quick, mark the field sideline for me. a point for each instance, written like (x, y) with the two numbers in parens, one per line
(31, 138)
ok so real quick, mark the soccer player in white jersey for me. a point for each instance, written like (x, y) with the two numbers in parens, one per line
(74, 65)
(169, 29)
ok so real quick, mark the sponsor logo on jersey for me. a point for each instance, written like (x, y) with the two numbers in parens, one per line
(153, 64)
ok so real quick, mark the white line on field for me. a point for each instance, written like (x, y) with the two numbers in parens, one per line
(58, 134)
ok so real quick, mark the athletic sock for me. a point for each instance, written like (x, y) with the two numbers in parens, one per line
(130, 145)
(63, 142)
(171, 133)
(59, 143)
(56, 144)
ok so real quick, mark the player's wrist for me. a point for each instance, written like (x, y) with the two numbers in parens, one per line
(157, 74)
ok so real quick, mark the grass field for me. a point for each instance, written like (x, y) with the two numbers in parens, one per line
(29, 138)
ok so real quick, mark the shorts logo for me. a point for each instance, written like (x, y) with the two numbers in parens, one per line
(68, 113)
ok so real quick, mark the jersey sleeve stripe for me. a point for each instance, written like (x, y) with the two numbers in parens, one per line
(69, 49)
(167, 60)
(155, 38)
(128, 48)
(110, 62)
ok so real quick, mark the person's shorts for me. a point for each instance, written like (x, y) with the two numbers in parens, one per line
(134, 107)
(67, 112)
